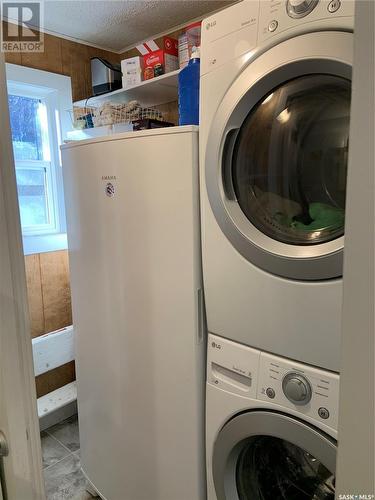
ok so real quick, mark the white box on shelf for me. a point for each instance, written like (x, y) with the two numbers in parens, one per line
(122, 127)
(132, 71)
(88, 133)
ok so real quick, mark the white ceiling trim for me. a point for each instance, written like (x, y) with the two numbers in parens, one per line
(67, 37)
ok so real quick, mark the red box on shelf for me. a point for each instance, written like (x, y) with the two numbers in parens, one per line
(159, 60)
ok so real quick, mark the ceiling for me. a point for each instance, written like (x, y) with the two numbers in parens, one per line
(118, 24)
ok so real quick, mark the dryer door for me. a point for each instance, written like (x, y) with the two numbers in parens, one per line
(264, 455)
(276, 157)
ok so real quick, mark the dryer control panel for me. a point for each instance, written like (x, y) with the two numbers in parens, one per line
(229, 34)
(276, 16)
(250, 373)
(238, 30)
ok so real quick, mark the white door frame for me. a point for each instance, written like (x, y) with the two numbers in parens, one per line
(18, 409)
(356, 464)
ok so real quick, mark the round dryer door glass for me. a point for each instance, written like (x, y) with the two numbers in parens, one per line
(290, 160)
(270, 468)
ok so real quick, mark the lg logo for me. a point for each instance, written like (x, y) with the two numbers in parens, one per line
(215, 345)
(210, 25)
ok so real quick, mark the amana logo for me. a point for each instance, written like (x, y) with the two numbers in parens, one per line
(110, 189)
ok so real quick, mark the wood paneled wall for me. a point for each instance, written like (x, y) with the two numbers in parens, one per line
(67, 58)
(48, 291)
(54, 379)
(48, 288)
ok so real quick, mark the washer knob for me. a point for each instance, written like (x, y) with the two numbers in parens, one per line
(300, 8)
(297, 388)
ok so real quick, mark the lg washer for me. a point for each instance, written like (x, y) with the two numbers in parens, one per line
(275, 110)
(271, 426)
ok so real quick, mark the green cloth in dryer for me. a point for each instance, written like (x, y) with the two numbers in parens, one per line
(323, 217)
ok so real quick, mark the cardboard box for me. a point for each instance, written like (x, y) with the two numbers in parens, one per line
(186, 41)
(158, 60)
(132, 71)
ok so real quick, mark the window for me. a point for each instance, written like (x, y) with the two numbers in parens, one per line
(39, 104)
(32, 155)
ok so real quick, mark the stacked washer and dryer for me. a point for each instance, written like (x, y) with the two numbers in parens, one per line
(275, 109)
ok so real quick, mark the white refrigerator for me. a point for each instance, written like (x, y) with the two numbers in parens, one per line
(132, 204)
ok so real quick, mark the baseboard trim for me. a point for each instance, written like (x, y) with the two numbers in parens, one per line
(53, 350)
(57, 405)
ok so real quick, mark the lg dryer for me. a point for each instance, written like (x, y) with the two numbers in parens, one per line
(275, 107)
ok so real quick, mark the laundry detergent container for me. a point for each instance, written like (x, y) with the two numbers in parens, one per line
(188, 91)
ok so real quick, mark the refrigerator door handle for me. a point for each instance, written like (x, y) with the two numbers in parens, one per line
(4, 452)
(200, 316)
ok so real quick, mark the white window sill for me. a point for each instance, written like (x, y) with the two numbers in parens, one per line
(44, 243)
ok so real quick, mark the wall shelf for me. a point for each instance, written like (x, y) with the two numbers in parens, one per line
(158, 90)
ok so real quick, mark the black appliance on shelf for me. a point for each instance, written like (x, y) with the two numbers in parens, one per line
(105, 76)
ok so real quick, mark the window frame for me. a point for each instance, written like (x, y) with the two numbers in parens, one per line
(55, 91)
(49, 98)
(51, 196)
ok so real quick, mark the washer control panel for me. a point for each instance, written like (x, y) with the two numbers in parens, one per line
(253, 374)
(297, 388)
(232, 367)
(309, 390)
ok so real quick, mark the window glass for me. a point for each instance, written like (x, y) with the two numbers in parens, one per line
(32, 196)
(29, 126)
(270, 468)
(290, 160)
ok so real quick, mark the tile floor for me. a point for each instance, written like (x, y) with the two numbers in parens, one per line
(61, 462)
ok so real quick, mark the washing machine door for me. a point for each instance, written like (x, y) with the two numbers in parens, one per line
(264, 455)
(276, 157)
